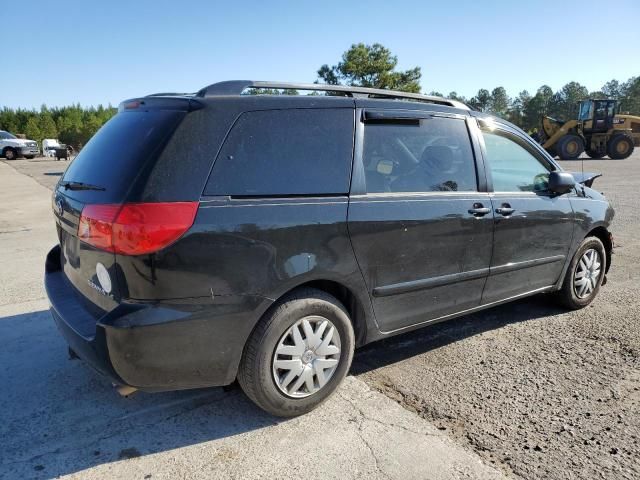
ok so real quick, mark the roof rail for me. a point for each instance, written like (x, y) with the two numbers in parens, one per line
(236, 87)
(169, 94)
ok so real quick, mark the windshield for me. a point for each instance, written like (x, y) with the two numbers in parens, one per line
(120, 150)
(6, 136)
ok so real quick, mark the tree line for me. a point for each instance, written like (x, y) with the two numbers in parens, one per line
(375, 66)
(526, 110)
(73, 125)
(361, 65)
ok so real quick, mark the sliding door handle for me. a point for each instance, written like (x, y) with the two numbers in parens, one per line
(479, 210)
(505, 210)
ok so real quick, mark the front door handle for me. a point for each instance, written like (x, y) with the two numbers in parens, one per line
(479, 210)
(505, 210)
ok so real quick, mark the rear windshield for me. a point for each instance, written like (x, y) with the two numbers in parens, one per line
(114, 156)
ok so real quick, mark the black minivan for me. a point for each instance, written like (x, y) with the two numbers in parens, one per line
(237, 233)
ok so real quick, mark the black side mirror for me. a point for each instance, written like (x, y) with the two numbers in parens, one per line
(561, 182)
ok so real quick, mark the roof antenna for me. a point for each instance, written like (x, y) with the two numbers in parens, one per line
(584, 194)
(582, 155)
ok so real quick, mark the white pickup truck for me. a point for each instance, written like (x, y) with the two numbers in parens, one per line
(12, 147)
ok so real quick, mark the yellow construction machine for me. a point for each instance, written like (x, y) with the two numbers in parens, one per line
(629, 122)
(598, 131)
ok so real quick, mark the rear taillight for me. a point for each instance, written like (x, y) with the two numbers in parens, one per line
(135, 228)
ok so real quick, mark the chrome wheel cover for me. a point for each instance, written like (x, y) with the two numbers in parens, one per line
(306, 357)
(587, 274)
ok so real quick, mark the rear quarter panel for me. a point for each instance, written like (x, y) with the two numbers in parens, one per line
(250, 248)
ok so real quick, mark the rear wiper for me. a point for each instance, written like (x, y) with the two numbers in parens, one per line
(80, 186)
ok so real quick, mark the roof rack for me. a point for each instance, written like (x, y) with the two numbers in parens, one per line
(169, 94)
(236, 87)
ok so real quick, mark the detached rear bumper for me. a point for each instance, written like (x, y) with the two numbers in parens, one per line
(158, 346)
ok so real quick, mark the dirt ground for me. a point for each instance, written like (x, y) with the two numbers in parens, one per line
(537, 391)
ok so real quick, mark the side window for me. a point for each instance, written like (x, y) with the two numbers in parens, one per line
(286, 152)
(426, 155)
(513, 168)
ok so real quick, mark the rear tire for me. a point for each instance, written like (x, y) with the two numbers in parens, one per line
(29, 157)
(570, 147)
(10, 154)
(584, 276)
(620, 146)
(313, 366)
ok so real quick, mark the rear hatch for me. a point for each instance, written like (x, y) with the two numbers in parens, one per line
(101, 178)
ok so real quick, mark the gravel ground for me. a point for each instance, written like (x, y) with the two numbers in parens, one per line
(538, 391)
(535, 390)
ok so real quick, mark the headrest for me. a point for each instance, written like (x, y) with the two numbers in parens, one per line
(437, 154)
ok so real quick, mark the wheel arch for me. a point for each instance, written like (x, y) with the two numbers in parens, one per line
(355, 308)
(359, 312)
(605, 237)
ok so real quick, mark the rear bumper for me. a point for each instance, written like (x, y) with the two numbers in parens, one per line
(154, 347)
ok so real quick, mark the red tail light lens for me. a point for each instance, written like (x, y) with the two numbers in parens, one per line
(96, 225)
(135, 228)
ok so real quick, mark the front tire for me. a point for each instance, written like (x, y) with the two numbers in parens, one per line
(570, 147)
(585, 275)
(552, 151)
(298, 354)
(10, 154)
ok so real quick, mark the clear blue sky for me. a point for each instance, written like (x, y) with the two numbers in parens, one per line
(105, 51)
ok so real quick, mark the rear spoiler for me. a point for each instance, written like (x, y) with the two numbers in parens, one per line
(161, 102)
(585, 178)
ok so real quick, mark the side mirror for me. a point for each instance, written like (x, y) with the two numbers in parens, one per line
(561, 182)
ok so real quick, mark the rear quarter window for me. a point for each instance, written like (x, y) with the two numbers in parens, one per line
(286, 152)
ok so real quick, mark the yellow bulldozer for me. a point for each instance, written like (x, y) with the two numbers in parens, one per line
(598, 131)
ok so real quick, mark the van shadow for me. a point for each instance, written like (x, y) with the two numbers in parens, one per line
(59, 417)
(401, 347)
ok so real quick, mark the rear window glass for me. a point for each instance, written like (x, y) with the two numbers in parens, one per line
(286, 152)
(116, 154)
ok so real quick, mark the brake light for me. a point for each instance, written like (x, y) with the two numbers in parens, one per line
(132, 105)
(135, 228)
(96, 225)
